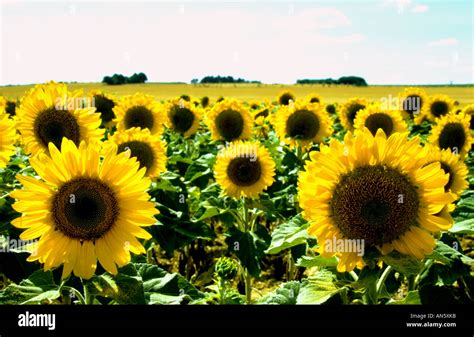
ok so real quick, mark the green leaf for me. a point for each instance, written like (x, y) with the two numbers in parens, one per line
(413, 297)
(446, 254)
(463, 227)
(209, 213)
(316, 261)
(286, 294)
(404, 264)
(161, 287)
(37, 289)
(318, 288)
(289, 234)
(125, 288)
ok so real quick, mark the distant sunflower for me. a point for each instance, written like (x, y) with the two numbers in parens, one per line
(8, 137)
(104, 104)
(412, 101)
(229, 120)
(183, 116)
(148, 149)
(84, 209)
(254, 104)
(374, 189)
(139, 111)
(244, 169)
(49, 112)
(314, 98)
(437, 106)
(374, 117)
(285, 97)
(469, 110)
(452, 132)
(453, 165)
(205, 101)
(348, 111)
(302, 124)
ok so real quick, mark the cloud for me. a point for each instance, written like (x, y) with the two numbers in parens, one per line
(419, 8)
(444, 42)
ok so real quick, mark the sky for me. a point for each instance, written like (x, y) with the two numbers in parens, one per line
(384, 41)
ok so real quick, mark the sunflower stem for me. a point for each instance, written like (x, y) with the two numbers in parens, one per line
(354, 275)
(74, 291)
(248, 286)
(411, 282)
(221, 291)
(382, 279)
(88, 298)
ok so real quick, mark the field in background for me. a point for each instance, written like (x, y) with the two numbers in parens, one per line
(331, 94)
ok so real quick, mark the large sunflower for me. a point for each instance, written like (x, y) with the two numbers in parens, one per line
(437, 106)
(49, 112)
(348, 111)
(453, 165)
(302, 123)
(314, 98)
(104, 105)
(141, 111)
(469, 110)
(8, 137)
(84, 209)
(452, 132)
(244, 169)
(285, 97)
(373, 117)
(375, 189)
(148, 149)
(411, 101)
(183, 116)
(229, 120)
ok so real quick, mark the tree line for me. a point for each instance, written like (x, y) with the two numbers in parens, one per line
(117, 79)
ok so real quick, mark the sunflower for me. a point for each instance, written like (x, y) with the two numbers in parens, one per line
(314, 98)
(452, 132)
(104, 105)
(285, 97)
(244, 169)
(469, 110)
(375, 189)
(437, 106)
(139, 111)
(205, 101)
(49, 112)
(84, 209)
(302, 124)
(254, 105)
(453, 165)
(8, 138)
(411, 101)
(229, 120)
(183, 116)
(374, 117)
(348, 111)
(148, 149)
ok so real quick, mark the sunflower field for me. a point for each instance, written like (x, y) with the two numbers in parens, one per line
(126, 199)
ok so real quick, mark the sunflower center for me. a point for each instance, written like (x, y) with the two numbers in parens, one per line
(52, 125)
(141, 150)
(230, 124)
(439, 108)
(352, 111)
(314, 100)
(447, 169)
(181, 118)
(105, 107)
(379, 121)
(412, 104)
(85, 209)
(302, 124)
(243, 171)
(452, 137)
(374, 203)
(285, 99)
(140, 117)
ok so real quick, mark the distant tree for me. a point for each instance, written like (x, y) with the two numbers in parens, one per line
(143, 78)
(194, 81)
(107, 80)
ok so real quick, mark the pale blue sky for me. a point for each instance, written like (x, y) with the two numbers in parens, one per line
(386, 41)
